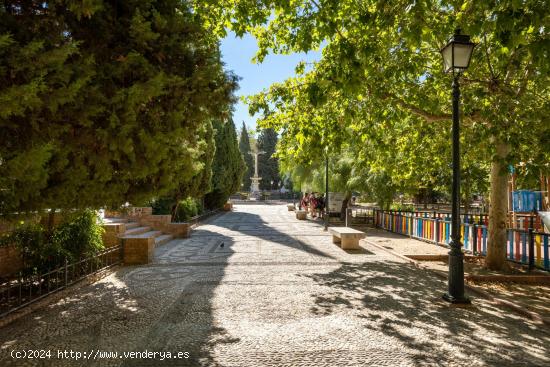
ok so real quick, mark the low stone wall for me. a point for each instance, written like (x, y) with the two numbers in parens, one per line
(10, 261)
(163, 223)
(178, 230)
(113, 231)
(139, 212)
(155, 221)
(138, 250)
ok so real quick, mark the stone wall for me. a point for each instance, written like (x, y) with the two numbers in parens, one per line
(163, 223)
(138, 212)
(113, 231)
(138, 250)
(10, 261)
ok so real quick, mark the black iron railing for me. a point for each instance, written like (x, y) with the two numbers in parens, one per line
(25, 290)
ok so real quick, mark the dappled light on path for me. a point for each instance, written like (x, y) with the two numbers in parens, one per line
(277, 293)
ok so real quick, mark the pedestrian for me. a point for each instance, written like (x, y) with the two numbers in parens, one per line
(304, 202)
(313, 205)
(320, 205)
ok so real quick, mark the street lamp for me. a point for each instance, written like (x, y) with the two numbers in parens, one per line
(327, 211)
(456, 58)
(271, 187)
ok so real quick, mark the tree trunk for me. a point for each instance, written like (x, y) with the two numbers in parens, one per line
(51, 220)
(345, 205)
(498, 210)
(467, 194)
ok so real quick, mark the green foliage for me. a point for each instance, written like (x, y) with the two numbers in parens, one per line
(379, 90)
(80, 235)
(402, 207)
(86, 123)
(228, 166)
(268, 165)
(161, 206)
(245, 149)
(187, 209)
(37, 251)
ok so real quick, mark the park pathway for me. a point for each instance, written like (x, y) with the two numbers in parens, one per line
(277, 293)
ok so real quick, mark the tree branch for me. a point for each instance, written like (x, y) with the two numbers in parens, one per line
(428, 116)
(493, 77)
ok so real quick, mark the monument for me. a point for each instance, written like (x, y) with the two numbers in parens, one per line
(255, 185)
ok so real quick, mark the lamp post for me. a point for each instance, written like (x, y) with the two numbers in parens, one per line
(456, 58)
(327, 211)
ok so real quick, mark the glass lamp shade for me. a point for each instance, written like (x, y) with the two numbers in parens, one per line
(457, 53)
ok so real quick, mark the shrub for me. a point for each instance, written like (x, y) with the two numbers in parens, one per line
(37, 252)
(402, 207)
(187, 209)
(161, 205)
(80, 235)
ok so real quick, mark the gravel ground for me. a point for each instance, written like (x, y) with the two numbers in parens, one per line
(277, 293)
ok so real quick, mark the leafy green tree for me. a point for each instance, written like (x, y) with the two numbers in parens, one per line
(381, 64)
(228, 166)
(106, 102)
(245, 149)
(268, 166)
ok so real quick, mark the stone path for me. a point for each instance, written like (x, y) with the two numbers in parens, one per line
(278, 293)
(531, 297)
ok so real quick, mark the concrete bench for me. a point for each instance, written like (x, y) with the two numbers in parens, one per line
(348, 238)
(290, 207)
(301, 214)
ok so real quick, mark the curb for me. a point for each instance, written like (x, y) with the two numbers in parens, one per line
(477, 290)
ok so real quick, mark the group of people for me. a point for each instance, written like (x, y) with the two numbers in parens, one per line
(313, 203)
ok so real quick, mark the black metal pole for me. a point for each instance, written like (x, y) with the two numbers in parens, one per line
(456, 258)
(326, 193)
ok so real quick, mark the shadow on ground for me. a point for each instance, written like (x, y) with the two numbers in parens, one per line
(405, 303)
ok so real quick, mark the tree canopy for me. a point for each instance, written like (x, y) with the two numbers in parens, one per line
(379, 88)
(104, 102)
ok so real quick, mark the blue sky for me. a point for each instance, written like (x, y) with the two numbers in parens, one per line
(237, 54)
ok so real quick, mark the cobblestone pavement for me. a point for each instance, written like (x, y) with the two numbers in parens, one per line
(531, 297)
(278, 293)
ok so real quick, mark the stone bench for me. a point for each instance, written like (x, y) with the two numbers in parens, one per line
(348, 238)
(290, 207)
(301, 214)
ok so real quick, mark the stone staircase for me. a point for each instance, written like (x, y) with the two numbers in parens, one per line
(135, 230)
(140, 232)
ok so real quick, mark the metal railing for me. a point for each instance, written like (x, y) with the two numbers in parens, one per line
(25, 290)
(196, 220)
(525, 246)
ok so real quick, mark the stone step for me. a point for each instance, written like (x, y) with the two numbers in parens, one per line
(161, 240)
(148, 234)
(115, 220)
(136, 231)
(131, 225)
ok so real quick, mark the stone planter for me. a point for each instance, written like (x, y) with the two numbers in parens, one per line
(301, 214)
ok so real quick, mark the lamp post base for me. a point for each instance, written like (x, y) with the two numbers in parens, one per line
(462, 301)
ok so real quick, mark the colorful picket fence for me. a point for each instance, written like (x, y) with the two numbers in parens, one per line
(525, 246)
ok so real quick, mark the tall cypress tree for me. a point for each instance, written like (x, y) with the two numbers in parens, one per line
(244, 147)
(106, 102)
(228, 166)
(268, 166)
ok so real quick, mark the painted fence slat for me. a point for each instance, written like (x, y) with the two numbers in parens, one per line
(436, 228)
